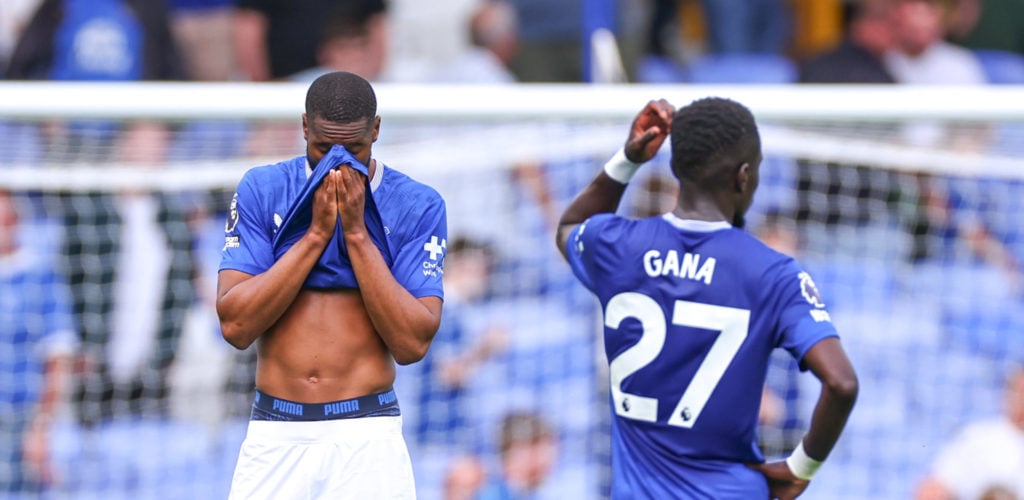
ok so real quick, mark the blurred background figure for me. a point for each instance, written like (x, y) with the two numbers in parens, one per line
(747, 26)
(985, 458)
(859, 58)
(494, 42)
(203, 30)
(550, 41)
(464, 478)
(37, 341)
(922, 55)
(528, 449)
(439, 418)
(988, 25)
(108, 40)
(354, 39)
(14, 17)
(275, 39)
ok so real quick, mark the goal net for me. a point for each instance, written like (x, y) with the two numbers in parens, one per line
(901, 202)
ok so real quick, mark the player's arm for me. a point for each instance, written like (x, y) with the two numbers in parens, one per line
(249, 305)
(603, 194)
(828, 362)
(406, 324)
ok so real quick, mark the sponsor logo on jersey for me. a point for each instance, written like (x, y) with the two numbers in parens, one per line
(231, 242)
(232, 215)
(436, 249)
(810, 291)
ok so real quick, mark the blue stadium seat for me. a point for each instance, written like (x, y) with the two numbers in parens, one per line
(660, 69)
(1001, 67)
(742, 68)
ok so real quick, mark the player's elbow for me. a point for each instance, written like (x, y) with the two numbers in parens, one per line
(411, 354)
(843, 388)
(235, 336)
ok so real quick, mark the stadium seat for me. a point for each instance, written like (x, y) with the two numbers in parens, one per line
(660, 69)
(1001, 67)
(742, 68)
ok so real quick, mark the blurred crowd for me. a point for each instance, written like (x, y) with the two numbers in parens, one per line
(497, 41)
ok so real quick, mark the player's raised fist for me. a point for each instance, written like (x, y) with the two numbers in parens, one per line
(650, 128)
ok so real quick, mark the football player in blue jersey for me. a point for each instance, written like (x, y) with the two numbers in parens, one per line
(332, 263)
(693, 307)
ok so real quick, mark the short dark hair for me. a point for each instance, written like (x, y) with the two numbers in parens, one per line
(341, 97)
(709, 132)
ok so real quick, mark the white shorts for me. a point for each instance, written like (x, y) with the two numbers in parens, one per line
(357, 458)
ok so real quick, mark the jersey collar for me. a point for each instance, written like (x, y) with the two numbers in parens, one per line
(378, 174)
(695, 225)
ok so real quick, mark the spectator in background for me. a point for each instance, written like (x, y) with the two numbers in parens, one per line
(441, 420)
(355, 39)
(921, 55)
(37, 340)
(747, 26)
(108, 40)
(550, 38)
(464, 478)
(14, 17)
(130, 315)
(203, 32)
(859, 58)
(988, 24)
(275, 39)
(494, 43)
(130, 269)
(528, 448)
(985, 458)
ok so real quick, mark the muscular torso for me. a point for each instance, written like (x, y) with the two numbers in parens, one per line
(323, 348)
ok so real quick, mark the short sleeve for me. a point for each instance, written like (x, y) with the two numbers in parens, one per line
(247, 240)
(582, 248)
(803, 319)
(419, 262)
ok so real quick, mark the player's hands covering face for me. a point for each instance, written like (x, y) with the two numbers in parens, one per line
(325, 207)
(649, 130)
(351, 194)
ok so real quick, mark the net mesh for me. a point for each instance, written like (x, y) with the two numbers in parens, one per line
(908, 227)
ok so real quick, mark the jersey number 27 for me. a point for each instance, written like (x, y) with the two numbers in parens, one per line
(732, 325)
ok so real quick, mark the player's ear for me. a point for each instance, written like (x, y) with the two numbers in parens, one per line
(376, 127)
(742, 177)
(305, 127)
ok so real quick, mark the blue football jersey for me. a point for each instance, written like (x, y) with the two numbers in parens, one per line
(410, 215)
(692, 312)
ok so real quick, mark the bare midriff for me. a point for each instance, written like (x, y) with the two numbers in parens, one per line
(324, 348)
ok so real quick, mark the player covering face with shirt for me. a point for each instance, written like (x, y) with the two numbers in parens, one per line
(693, 307)
(332, 264)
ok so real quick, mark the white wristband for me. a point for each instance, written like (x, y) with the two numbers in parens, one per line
(620, 168)
(802, 465)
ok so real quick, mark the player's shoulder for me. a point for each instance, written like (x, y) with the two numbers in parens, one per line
(261, 173)
(400, 184)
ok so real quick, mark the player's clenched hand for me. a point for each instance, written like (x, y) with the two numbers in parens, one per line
(781, 481)
(325, 206)
(650, 128)
(351, 199)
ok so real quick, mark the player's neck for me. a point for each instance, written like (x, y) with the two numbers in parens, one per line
(700, 209)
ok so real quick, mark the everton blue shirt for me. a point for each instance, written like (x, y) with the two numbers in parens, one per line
(692, 312)
(406, 220)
